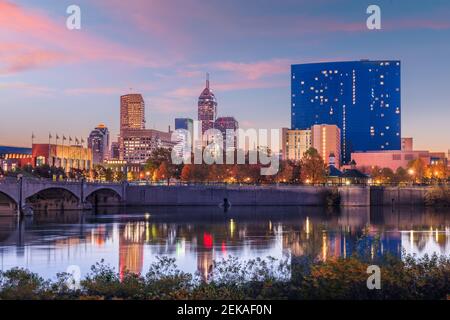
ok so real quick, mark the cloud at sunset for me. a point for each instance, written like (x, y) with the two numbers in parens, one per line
(163, 49)
(41, 41)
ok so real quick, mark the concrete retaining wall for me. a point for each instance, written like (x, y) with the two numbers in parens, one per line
(237, 195)
(355, 196)
(360, 196)
(388, 196)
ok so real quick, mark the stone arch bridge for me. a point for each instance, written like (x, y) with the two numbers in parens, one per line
(35, 194)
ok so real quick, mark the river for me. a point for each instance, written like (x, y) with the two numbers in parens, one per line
(133, 238)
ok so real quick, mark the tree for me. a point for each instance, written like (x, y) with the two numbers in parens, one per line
(119, 176)
(387, 175)
(416, 169)
(199, 172)
(186, 173)
(313, 167)
(285, 174)
(437, 172)
(401, 175)
(163, 172)
(157, 157)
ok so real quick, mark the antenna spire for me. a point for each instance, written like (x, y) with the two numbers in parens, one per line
(207, 80)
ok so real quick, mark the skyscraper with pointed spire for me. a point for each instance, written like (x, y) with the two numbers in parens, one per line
(207, 107)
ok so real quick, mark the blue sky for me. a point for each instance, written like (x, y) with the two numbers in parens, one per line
(53, 79)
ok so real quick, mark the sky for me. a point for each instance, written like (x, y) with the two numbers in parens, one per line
(68, 81)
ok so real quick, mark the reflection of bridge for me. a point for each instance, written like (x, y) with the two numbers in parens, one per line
(46, 194)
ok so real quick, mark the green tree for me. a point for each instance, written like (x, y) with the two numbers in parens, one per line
(157, 157)
(401, 175)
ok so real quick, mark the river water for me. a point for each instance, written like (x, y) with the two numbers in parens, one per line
(51, 242)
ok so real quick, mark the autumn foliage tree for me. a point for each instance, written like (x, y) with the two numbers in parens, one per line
(416, 169)
(313, 167)
(186, 173)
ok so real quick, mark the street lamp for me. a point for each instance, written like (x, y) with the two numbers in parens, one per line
(411, 172)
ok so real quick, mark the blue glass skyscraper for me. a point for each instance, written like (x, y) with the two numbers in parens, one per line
(362, 98)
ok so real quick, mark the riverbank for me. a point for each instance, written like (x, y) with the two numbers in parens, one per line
(426, 278)
(274, 195)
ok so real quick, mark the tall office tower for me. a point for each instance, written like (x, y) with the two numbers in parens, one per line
(98, 142)
(361, 97)
(132, 117)
(207, 107)
(132, 112)
(326, 139)
(228, 123)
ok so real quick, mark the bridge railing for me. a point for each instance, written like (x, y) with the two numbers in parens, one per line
(10, 180)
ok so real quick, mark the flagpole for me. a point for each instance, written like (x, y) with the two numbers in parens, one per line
(63, 151)
(49, 140)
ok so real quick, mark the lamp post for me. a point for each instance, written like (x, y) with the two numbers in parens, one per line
(411, 172)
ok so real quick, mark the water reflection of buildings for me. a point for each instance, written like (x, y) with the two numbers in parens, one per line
(199, 242)
(131, 247)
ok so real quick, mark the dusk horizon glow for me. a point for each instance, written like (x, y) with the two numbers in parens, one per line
(56, 80)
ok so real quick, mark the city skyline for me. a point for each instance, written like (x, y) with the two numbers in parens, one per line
(74, 78)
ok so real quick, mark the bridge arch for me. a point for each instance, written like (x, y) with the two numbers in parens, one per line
(7, 203)
(53, 198)
(104, 196)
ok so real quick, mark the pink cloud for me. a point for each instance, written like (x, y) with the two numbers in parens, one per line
(170, 23)
(41, 41)
(415, 24)
(120, 90)
(28, 88)
(254, 70)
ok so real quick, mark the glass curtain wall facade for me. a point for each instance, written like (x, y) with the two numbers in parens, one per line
(363, 98)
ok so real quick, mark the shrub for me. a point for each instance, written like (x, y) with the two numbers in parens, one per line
(438, 196)
(339, 278)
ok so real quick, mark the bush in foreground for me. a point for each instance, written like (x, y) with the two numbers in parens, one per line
(410, 278)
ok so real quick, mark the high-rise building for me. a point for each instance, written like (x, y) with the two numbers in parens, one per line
(139, 144)
(361, 97)
(295, 143)
(98, 142)
(326, 139)
(184, 129)
(223, 124)
(115, 151)
(184, 123)
(132, 112)
(207, 107)
(132, 117)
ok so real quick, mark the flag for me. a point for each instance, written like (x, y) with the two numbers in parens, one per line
(76, 141)
(57, 137)
(50, 135)
(64, 138)
(82, 140)
(32, 135)
(70, 138)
